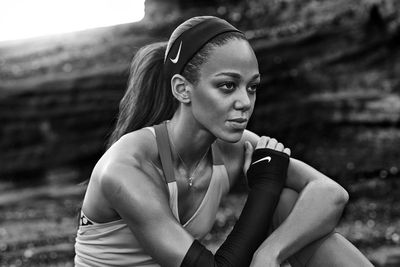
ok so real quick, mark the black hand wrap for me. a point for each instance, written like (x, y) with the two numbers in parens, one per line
(268, 167)
(266, 176)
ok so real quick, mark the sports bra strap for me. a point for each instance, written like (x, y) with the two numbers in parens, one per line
(164, 150)
(216, 154)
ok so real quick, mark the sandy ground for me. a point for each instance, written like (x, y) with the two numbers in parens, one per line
(38, 223)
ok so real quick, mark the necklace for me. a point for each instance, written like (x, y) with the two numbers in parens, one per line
(191, 176)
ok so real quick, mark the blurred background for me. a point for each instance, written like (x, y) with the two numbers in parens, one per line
(330, 91)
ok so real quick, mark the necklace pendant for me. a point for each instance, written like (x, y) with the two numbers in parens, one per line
(190, 181)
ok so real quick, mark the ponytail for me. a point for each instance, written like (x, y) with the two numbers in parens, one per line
(147, 100)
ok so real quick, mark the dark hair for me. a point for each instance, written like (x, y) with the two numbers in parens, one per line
(148, 99)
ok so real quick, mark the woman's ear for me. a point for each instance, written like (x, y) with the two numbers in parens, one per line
(180, 88)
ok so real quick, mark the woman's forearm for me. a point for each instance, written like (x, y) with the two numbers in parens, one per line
(316, 213)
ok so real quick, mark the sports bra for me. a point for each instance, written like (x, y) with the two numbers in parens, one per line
(114, 244)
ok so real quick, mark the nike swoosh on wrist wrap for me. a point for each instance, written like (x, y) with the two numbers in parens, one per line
(268, 158)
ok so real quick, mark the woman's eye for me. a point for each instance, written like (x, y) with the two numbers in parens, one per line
(228, 86)
(253, 88)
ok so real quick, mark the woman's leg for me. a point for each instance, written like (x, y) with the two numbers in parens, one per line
(331, 250)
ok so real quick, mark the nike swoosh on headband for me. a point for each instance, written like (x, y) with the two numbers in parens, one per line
(175, 60)
(263, 159)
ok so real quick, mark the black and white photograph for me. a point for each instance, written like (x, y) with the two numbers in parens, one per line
(200, 133)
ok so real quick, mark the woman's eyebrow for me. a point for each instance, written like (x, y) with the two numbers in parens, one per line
(231, 74)
(236, 75)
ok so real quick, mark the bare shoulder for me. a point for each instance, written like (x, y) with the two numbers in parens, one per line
(233, 154)
(129, 168)
(132, 153)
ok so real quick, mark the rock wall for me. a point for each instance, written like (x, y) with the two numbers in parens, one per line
(332, 93)
(329, 91)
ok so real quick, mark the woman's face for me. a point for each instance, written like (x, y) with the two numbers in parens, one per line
(224, 97)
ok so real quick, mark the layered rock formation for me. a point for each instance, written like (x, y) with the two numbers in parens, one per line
(329, 91)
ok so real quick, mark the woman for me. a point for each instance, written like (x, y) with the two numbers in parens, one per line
(179, 144)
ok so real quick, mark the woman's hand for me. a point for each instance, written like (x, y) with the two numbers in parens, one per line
(263, 142)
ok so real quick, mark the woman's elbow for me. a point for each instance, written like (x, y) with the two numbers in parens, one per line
(345, 195)
(336, 198)
(339, 195)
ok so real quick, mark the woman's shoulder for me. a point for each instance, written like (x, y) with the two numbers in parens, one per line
(134, 153)
(139, 145)
(125, 178)
(232, 154)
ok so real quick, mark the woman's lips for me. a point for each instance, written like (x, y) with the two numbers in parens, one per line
(238, 123)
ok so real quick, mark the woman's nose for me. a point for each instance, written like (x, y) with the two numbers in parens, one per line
(243, 101)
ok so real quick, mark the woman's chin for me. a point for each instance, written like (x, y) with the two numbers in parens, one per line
(232, 137)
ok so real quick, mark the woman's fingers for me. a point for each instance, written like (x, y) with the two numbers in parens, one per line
(262, 143)
(287, 151)
(272, 143)
(279, 147)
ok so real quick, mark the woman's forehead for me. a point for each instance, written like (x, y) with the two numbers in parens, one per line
(234, 56)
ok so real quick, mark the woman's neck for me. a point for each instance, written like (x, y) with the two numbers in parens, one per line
(190, 140)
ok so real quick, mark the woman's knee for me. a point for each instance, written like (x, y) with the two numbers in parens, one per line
(335, 250)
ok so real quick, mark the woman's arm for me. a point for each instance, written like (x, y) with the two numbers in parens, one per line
(316, 213)
(143, 204)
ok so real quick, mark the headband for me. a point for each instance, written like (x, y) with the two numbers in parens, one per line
(191, 41)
